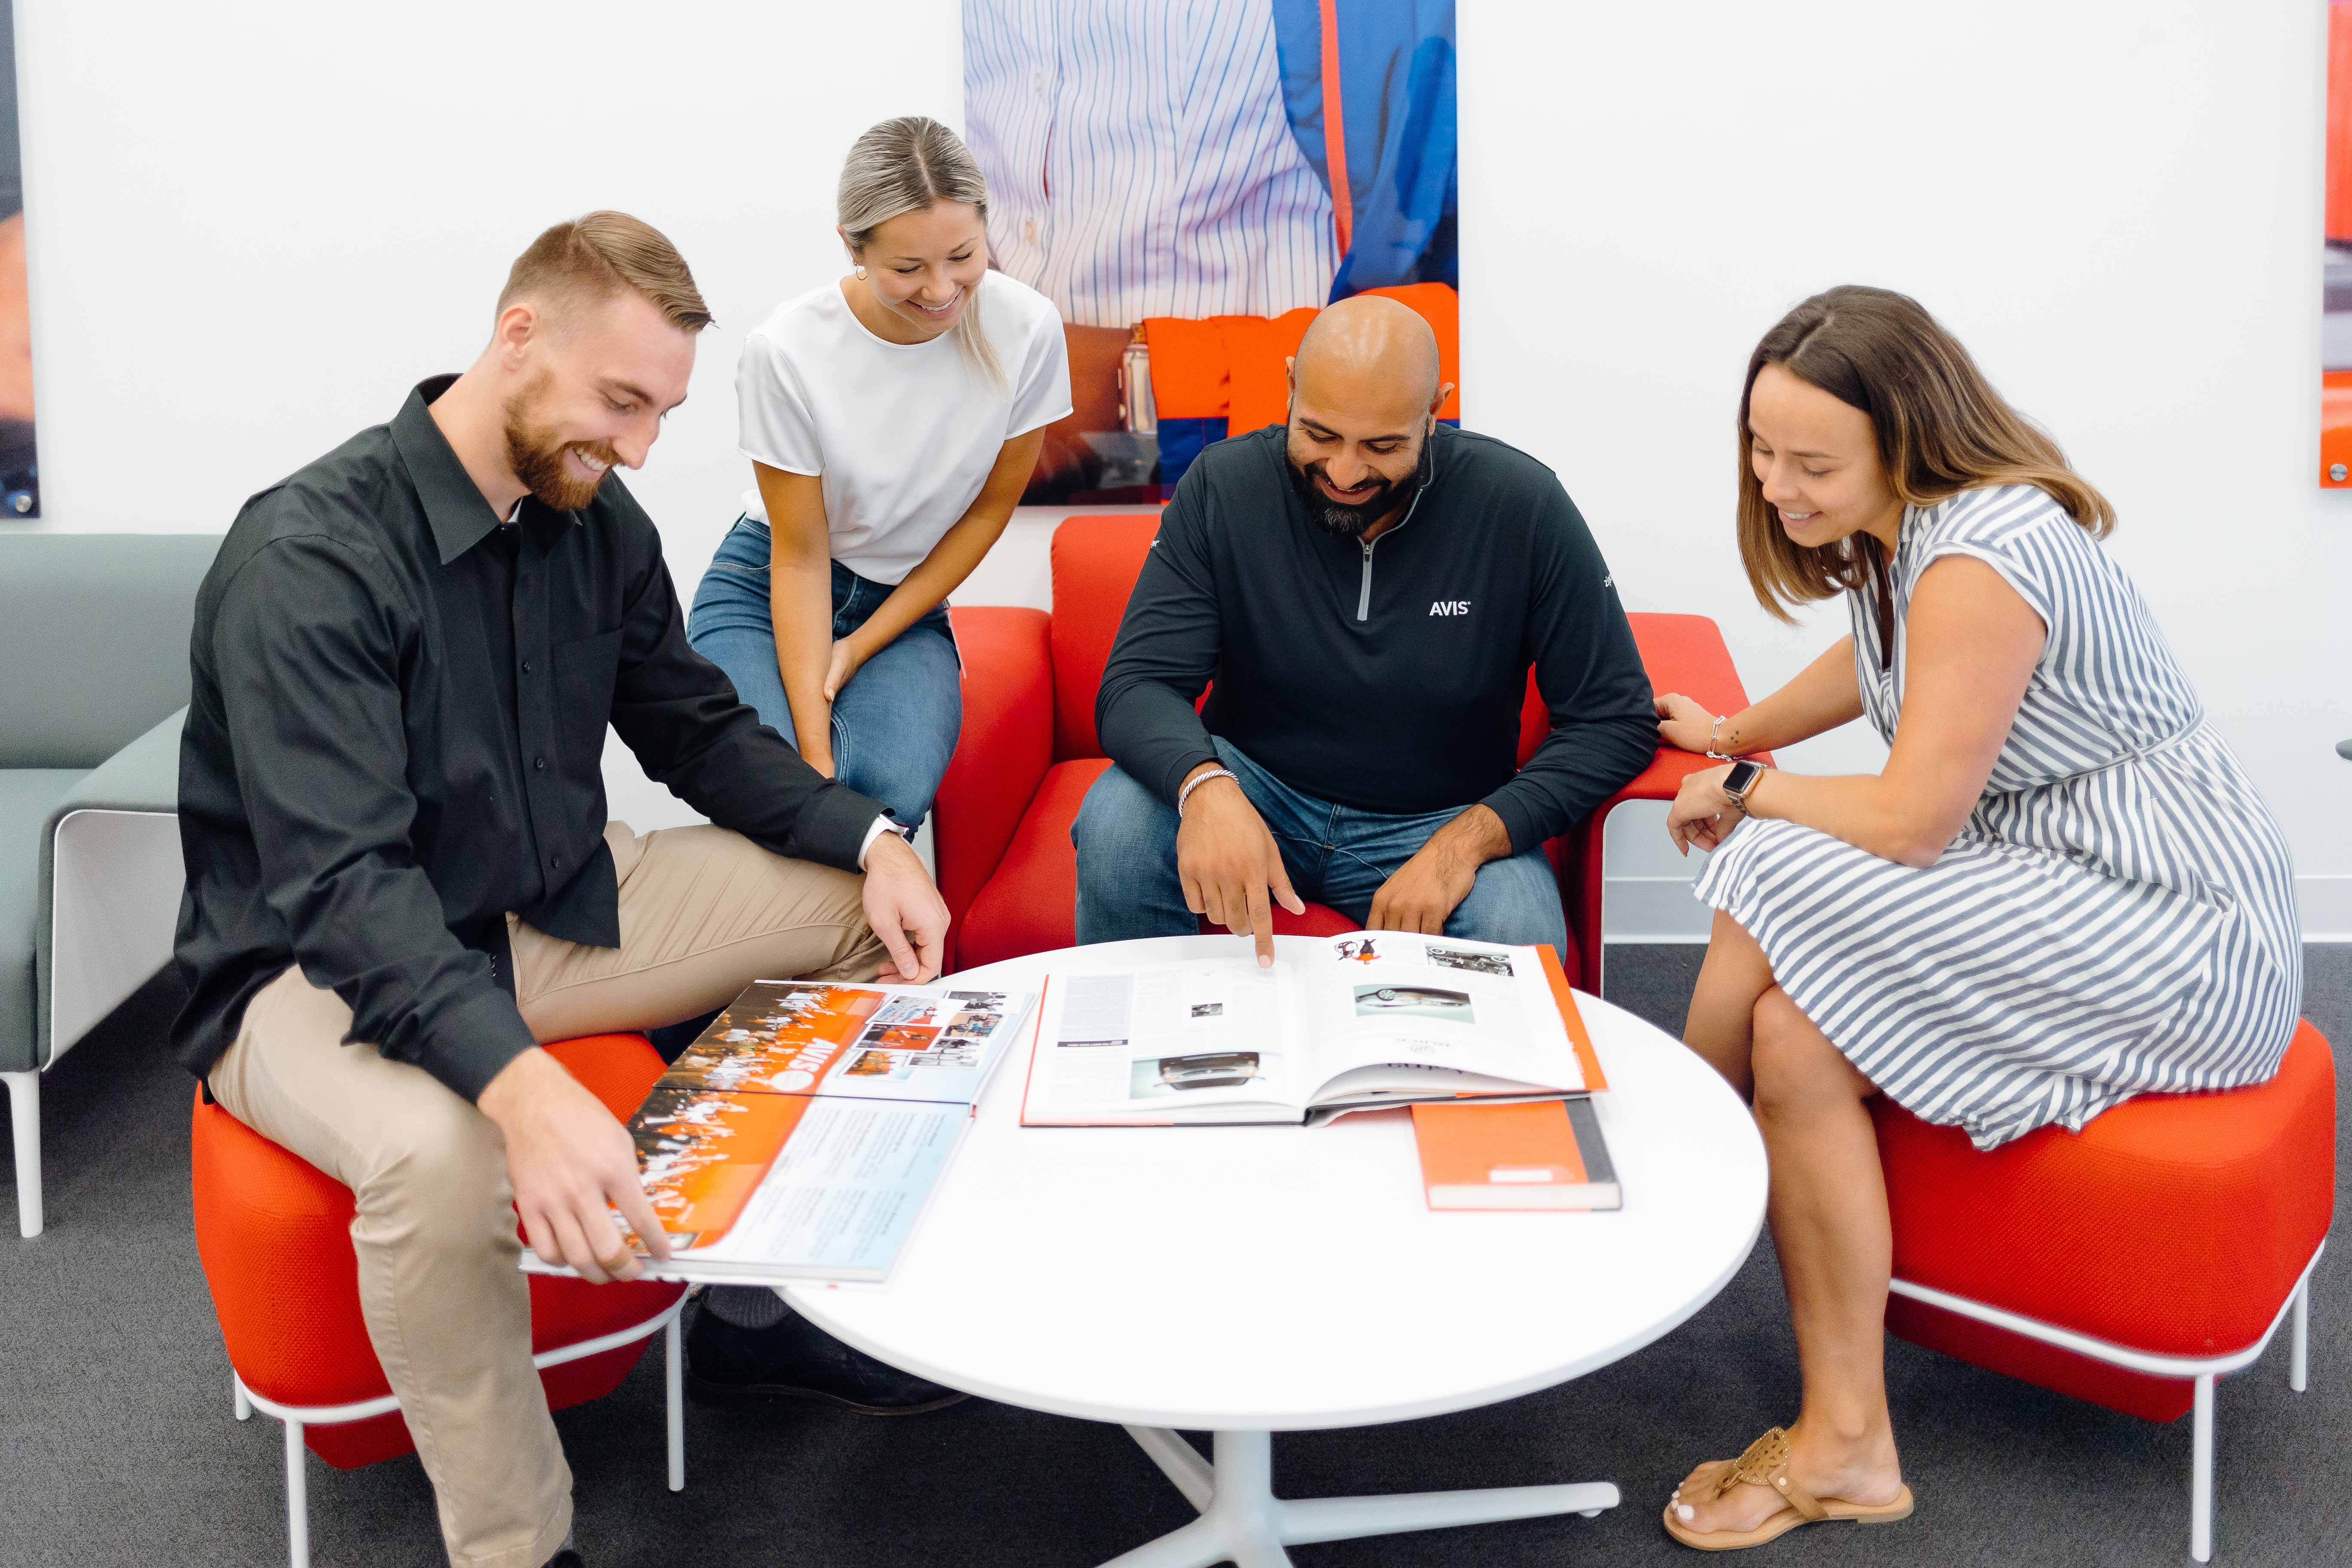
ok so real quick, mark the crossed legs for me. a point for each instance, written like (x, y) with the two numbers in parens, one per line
(703, 913)
(1828, 1213)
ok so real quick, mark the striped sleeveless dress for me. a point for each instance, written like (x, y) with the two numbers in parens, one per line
(2117, 915)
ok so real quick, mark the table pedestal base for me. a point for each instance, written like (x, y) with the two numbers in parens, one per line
(1243, 1523)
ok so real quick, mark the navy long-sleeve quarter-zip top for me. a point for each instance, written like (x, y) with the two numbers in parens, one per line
(1386, 675)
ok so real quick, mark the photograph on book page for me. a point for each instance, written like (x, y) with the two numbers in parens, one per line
(1188, 1033)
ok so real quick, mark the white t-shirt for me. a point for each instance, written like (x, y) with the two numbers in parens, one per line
(903, 435)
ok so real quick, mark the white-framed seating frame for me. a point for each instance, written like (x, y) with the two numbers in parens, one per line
(2200, 1370)
(296, 1418)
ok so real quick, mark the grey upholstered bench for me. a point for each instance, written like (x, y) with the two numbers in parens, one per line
(93, 686)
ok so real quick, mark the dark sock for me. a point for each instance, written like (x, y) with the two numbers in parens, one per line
(670, 1042)
(746, 1306)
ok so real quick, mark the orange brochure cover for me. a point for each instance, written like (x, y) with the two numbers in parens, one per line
(1579, 1040)
(1545, 1155)
(704, 1152)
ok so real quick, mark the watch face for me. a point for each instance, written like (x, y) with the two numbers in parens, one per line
(1742, 775)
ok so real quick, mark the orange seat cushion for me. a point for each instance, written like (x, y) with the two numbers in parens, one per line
(1031, 904)
(273, 1232)
(2174, 1224)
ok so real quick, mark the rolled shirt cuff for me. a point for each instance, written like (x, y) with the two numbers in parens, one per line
(881, 825)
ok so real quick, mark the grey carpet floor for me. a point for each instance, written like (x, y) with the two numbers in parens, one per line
(117, 1445)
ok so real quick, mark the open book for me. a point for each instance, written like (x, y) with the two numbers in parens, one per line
(802, 1133)
(1364, 1020)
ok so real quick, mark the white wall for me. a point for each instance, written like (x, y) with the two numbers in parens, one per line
(252, 229)
(2115, 207)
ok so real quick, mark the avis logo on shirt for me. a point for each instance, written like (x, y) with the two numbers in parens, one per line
(1450, 607)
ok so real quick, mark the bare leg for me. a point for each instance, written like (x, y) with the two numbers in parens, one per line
(1828, 1213)
(1720, 1024)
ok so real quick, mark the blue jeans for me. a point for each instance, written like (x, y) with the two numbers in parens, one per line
(893, 725)
(1336, 855)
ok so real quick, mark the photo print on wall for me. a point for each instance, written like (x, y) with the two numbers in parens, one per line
(20, 489)
(1188, 181)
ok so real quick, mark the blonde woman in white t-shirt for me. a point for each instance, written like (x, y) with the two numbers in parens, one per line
(892, 419)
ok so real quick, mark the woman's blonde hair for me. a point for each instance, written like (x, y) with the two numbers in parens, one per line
(1940, 425)
(910, 164)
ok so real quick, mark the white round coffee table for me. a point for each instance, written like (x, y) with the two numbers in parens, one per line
(1248, 1280)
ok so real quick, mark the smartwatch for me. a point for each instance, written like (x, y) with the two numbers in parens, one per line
(1740, 780)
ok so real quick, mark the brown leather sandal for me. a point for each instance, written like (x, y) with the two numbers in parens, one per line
(1766, 1464)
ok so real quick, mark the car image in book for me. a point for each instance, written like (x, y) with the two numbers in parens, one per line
(1209, 1069)
(1425, 1001)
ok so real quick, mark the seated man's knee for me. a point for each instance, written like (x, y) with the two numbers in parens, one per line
(1516, 901)
(441, 1184)
(1118, 823)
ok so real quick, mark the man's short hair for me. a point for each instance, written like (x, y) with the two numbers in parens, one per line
(591, 258)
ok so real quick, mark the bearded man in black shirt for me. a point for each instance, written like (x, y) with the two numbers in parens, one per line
(1367, 590)
(401, 877)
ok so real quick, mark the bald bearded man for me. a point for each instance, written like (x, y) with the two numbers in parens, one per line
(1367, 588)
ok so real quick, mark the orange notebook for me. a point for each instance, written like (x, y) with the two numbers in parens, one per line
(1548, 1155)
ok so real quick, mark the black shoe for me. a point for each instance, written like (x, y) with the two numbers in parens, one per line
(567, 1557)
(794, 1359)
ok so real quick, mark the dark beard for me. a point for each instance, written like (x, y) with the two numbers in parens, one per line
(537, 456)
(1347, 519)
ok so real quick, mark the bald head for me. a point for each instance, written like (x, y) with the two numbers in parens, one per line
(1368, 353)
(1364, 389)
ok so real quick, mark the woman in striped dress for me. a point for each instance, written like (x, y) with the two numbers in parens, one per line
(2060, 891)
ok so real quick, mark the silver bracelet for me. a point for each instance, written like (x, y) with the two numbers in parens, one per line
(1711, 728)
(1196, 780)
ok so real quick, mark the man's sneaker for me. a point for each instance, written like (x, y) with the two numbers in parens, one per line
(794, 1359)
(567, 1557)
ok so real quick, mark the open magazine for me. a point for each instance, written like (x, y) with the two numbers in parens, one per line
(1364, 1020)
(800, 1134)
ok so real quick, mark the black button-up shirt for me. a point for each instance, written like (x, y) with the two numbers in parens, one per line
(396, 734)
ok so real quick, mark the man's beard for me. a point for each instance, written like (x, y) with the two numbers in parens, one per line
(1347, 519)
(537, 455)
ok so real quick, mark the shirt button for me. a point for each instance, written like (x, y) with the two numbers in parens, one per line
(525, 667)
(538, 763)
(1040, 80)
(556, 861)
(1029, 230)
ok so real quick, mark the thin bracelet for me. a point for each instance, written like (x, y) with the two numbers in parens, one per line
(1196, 780)
(1711, 728)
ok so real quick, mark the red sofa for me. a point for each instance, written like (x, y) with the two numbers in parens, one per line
(1028, 753)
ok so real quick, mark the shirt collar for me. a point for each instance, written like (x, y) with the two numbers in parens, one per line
(455, 507)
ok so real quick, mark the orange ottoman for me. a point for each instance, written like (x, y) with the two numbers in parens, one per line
(274, 1236)
(2129, 1264)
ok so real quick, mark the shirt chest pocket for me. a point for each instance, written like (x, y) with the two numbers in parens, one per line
(584, 670)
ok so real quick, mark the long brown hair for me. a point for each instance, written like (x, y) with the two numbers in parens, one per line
(1940, 425)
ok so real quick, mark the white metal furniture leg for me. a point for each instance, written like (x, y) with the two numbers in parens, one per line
(237, 1401)
(298, 1501)
(2200, 1475)
(25, 1122)
(1243, 1523)
(2298, 1366)
(674, 1392)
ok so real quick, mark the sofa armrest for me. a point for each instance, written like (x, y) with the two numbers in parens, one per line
(1003, 752)
(1681, 653)
(143, 777)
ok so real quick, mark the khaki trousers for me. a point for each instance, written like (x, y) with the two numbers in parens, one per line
(704, 911)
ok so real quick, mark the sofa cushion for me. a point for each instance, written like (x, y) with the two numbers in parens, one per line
(94, 638)
(1096, 562)
(27, 795)
(2174, 1224)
